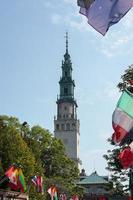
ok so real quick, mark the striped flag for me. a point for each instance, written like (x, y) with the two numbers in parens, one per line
(21, 181)
(53, 193)
(122, 119)
(34, 180)
(40, 184)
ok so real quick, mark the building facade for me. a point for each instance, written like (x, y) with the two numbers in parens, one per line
(66, 124)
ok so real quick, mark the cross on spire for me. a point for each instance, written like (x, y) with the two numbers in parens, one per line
(66, 36)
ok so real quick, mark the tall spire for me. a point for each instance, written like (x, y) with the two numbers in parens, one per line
(66, 82)
(66, 42)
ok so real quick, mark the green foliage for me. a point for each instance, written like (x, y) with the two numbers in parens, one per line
(13, 149)
(126, 78)
(58, 168)
(37, 152)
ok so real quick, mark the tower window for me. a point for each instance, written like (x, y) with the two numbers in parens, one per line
(65, 90)
(62, 126)
(65, 108)
(57, 126)
(65, 73)
(73, 125)
(68, 127)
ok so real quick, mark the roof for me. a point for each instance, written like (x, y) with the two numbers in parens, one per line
(94, 178)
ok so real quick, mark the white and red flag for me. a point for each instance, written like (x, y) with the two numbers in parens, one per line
(122, 119)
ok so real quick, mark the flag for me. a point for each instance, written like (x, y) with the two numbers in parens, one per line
(21, 181)
(125, 103)
(122, 119)
(122, 125)
(126, 158)
(38, 183)
(34, 180)
(39, 186)
(12, 174)
(53, 193)
(84, 3)
(16, 179)
(63, 196)
(119, 10)
(102, 14)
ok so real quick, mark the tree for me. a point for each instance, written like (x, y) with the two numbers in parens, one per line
(58, 168)
(119, 176)
(37, 152)
(14, 150)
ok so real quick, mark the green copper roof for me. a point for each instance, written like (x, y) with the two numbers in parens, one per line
(94, 178)
(66, 82)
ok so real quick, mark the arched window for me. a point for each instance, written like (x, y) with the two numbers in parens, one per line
(57, 126)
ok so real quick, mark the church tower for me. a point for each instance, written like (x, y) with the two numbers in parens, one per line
(66, 124)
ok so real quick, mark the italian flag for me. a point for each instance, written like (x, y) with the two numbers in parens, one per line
(126, 157)
(122, 119)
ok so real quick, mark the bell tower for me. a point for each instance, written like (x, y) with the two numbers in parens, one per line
(66, 124)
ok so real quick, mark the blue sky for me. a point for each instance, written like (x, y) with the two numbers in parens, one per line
(32, 45)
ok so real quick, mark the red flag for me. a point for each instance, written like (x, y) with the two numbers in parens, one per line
(39, 184)
(12, 174)
(16, 179)
(126, 158)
